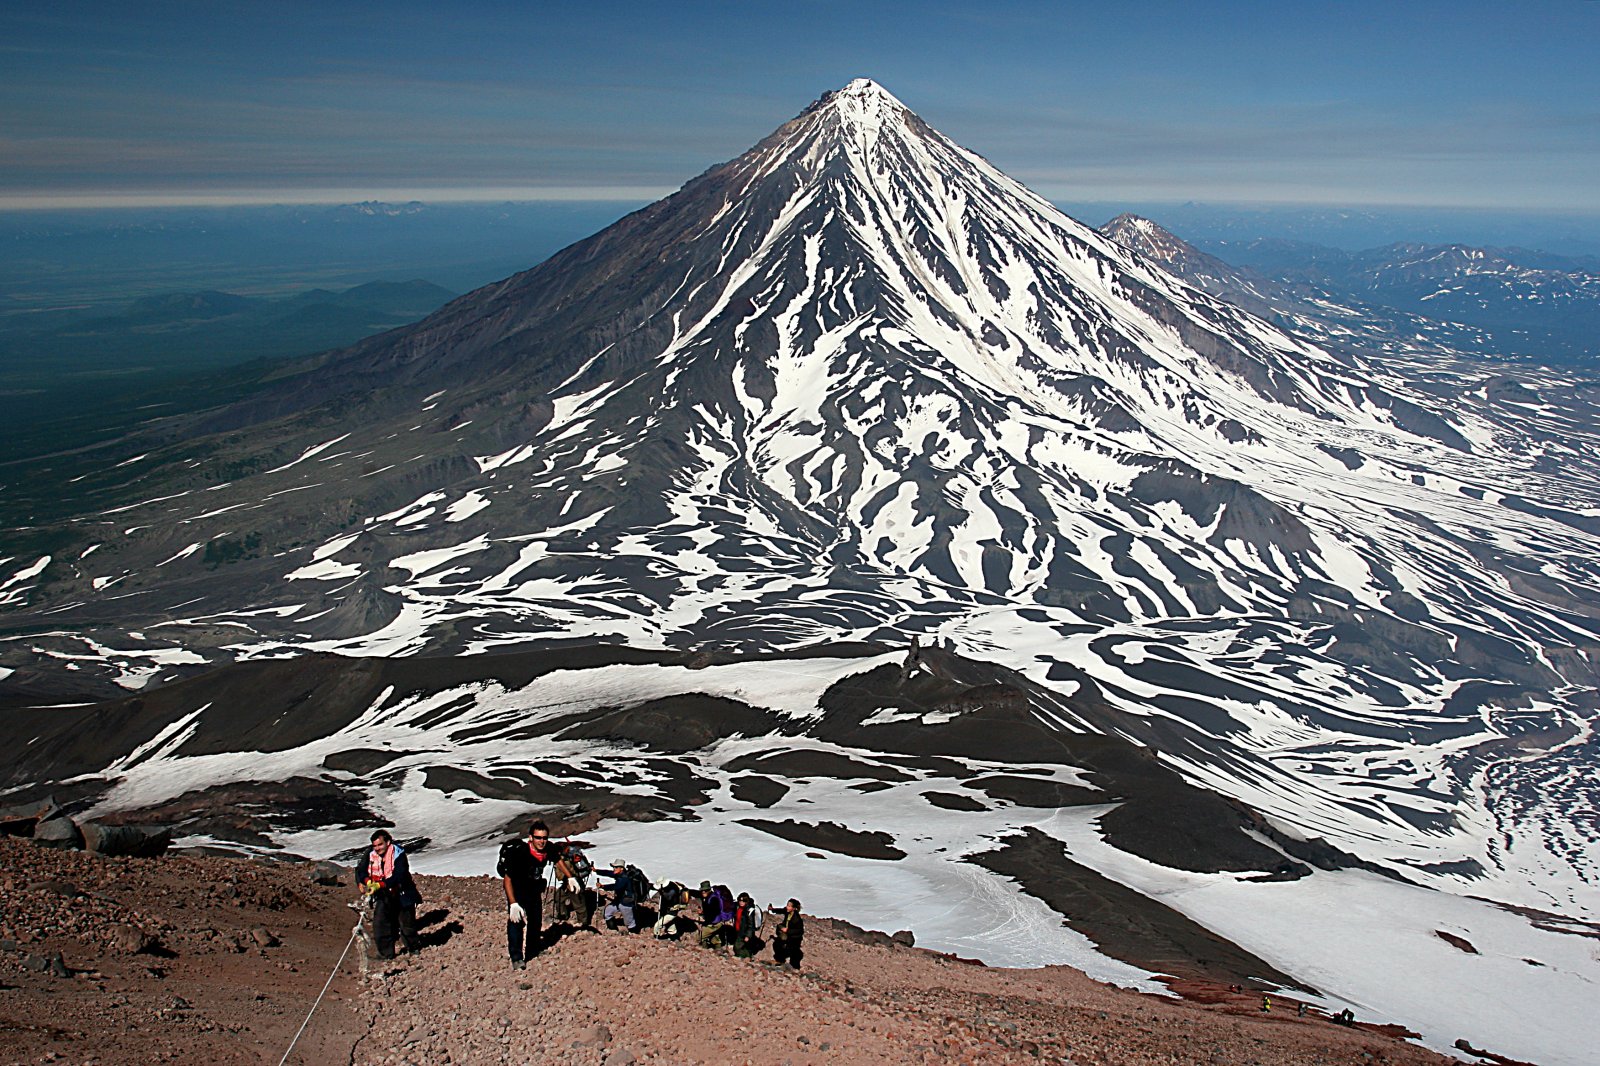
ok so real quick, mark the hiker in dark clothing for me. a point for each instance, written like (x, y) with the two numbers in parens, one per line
(521, 870)
(787, 936)
(384, 873)
(716, 914)
(625, 892)
(746, 927)
(672, 899)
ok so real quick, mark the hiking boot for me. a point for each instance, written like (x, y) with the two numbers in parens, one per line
(519, 964)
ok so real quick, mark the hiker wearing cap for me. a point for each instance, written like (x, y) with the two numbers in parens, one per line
(671, 900)
(625, 895)
(384, 873)
(521, 870)
(716, 914)
(787, 936)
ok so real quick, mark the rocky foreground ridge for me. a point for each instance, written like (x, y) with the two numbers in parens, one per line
(191, 958)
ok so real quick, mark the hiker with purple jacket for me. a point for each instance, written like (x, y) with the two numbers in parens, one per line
(716, 914)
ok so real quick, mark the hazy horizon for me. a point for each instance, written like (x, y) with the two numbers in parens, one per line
(1465, 105)
(1347, 226)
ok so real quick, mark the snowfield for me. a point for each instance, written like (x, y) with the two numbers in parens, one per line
(857, 388)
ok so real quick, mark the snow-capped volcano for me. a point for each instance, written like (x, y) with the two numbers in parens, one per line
(858, 384)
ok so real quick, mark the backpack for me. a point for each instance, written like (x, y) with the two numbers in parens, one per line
(671, 895)
(724, 899)
(581, 866)
(640, 883)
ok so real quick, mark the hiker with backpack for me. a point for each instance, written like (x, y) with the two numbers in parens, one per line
(672, 899)
(787, 936)
(716, 914)
(627, 890)
(746, 927)
(572, 869)
(521, 869)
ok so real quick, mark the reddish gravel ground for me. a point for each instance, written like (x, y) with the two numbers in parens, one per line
(213, 990)
(174, 959)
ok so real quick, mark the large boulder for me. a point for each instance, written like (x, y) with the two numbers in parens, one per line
(58, 832)
(139, 840)
(329, 873)
(21, 819)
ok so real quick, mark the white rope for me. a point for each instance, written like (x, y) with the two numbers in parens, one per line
(324, 992)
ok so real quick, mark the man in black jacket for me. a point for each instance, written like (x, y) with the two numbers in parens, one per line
(788, 937)
(521, 870)
(384, 873)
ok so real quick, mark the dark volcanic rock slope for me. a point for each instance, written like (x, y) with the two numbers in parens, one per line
(857, 383)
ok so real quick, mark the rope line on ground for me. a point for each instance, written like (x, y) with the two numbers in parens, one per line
(290, 1049)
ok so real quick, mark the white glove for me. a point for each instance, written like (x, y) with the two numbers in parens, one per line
(572, 885)
(515, 914)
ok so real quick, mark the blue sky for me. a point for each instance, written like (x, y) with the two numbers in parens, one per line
(1405, 102)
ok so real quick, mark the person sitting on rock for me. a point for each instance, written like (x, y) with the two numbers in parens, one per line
(716, 914)
(623, 897)
(521, 870)
(672, 899)
(746, 927)
(787, 937)
(384, 873)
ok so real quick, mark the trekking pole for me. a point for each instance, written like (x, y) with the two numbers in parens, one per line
(326, 984)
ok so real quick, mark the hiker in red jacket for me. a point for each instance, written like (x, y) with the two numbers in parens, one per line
(746, 927)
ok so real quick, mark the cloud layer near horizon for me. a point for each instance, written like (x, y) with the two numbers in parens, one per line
(1432, 105)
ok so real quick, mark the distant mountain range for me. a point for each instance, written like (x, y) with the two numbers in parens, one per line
(1496, 302)
(217, 328)
(76, 374)
(1572, 235)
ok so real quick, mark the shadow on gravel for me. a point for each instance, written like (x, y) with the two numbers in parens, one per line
(432, 932)
(559, 931)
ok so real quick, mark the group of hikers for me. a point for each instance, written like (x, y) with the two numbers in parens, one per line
(535, 868)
